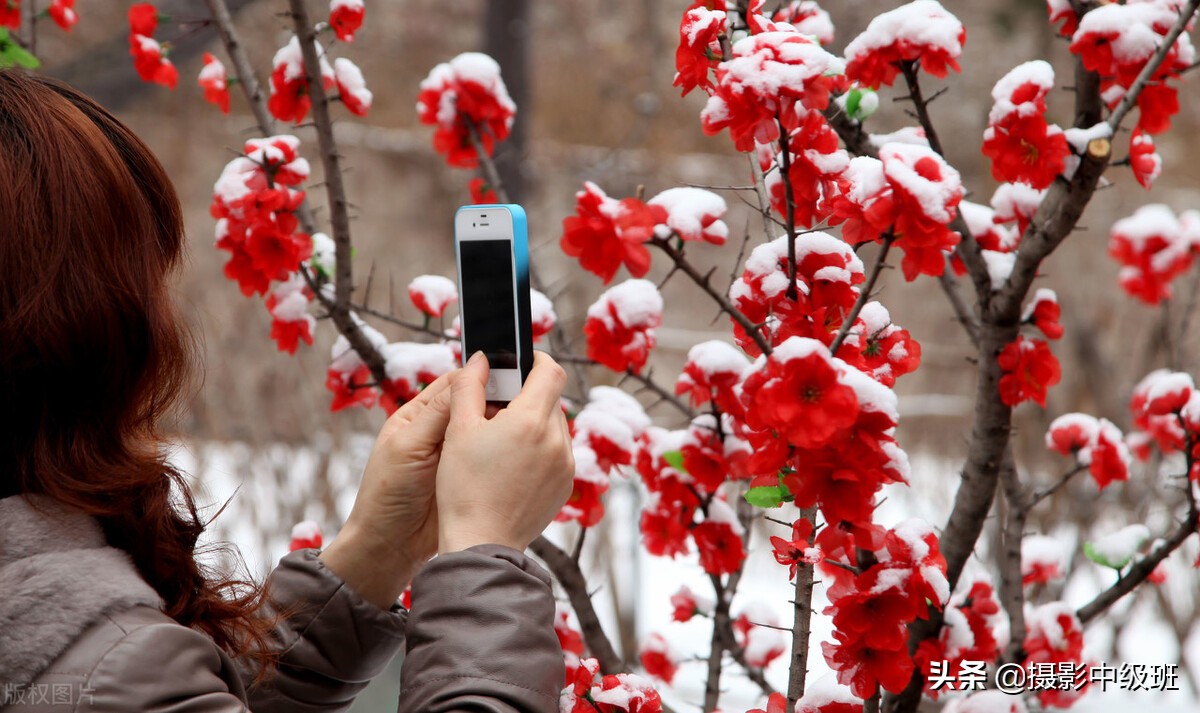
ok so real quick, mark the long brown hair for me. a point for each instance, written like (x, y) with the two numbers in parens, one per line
(93, 354)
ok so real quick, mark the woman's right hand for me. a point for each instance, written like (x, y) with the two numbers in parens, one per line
(501, 480)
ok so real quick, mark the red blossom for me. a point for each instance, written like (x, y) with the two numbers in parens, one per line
(346, 17)
(656, 657)
(921, 31)
(10, 14)
(305, 535)
(605, 233)
(351, 388)
(143, 19)
(63, 13)
(482, 192)
(1022, 145)
(1144, 158)
(620, 325)
(699, 50)
(1044, 313)
(466, 92)
(150, 61)
(1030, 369)
(214, 80)
(721, 548)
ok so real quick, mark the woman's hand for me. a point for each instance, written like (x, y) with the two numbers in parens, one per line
(393, 528)
(502, 479)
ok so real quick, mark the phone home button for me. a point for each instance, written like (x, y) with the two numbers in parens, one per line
(491, 384)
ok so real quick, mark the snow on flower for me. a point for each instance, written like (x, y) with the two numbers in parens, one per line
(610, 425)
(348, 377)
(291, 322)
(712, 370)
(346, 17)
(1117, 41)
(1022, 145)
(975, 630)
(1016, 202)
(214, 80)
(410, 367)
(290, 97)
(1153, 247)
(605, 233)
(460, 94)
(657, 658)
(926, 191)
(692, 214)
(1030, 369)
(919, 31)
(352, 88)
(807, 18)
(816, 162)
(687, 604)
(620, 325)
(825, 695)
(305, 535)
(1144, 159)
(591, 481)
(768, 75)
(1117, 549)
(761, 643)
(699, 49)
(542, 316)
(1042, 559)
(150, 61)
(1043, 312)
(432, 294)
(1054, 637)
(1164, 430)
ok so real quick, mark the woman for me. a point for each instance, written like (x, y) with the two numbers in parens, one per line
(103, 606)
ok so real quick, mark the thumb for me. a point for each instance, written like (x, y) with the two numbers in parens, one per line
(468, 397)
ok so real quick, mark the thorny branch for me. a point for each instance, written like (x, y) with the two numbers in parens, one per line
(864, 294)
(1130, 99)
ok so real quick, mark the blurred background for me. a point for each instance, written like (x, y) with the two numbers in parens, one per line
(593, 84)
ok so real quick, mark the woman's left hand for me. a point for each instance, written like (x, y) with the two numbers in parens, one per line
(393, 529)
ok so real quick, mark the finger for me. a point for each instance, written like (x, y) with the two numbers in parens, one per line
(544, 386)
(468, 391)
(428, 428)
(412, 407)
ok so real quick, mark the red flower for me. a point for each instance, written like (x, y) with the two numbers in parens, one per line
(698, 50)
(926, 191)
(584, 505)
(792, 552)
(921, 31)
(1030, 368)
(345, 17)
(143, 19)
(626, 692)
(481, 192)
(1070, 433)
(620, 325)
(798, 393)
(305, 535)
(712, 369)
(657, 658)
(865, 663)
(1153, 247)
(605, 233)
(151, 63)
(214, 80)
(720, 545)
(291, 323)
(432, 294)
(1144, 159)
(1062, 10)
(290, 100)
(63, 13)
(352, 88)
(1022, 145)
(817, 161)
(665, 529)
(776, 703)
(768, 74)
(466, 89)
(1055, 637)
(350, 388)
(1044, 312)
(686, 605)
(10, 14)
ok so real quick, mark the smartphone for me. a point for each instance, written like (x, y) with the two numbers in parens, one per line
(491, 244)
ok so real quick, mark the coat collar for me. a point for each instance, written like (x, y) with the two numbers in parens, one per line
(57, 577)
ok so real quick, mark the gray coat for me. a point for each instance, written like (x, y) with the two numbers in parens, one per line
(80, 631)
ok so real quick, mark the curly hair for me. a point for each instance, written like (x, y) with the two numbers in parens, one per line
(94, 356)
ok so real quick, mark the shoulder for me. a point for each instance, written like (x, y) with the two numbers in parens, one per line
(141, 659)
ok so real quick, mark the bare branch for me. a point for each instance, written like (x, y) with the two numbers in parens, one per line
(647, 381)
(241, 64)
(785, 158)
(566, 571)
(752, 330)
(336, 193)
(485, 160)
(801, 625)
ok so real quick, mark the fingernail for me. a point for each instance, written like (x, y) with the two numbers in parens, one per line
(475, 358)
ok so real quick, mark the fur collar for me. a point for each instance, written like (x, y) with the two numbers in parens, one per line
(57, 577)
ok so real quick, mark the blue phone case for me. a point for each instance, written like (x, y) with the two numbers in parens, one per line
(520, 244)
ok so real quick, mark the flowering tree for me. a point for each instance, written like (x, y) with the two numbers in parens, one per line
(793, 419)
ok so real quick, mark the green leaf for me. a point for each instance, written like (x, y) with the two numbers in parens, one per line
(766, 496)
(861, 103)
(13, 55)
(675, 460)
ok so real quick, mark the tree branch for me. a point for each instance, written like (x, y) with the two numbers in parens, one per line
(485, 161)
(1012, 587)
(785, 158)
(647, 381)
(568, 574)
(336, 192)
(1130, 99)
(801, 624)
(241, 64)
(752, 330)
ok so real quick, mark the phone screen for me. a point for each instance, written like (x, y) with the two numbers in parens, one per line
(489, 316)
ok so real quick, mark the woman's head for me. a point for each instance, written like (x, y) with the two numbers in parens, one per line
(93, 355)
